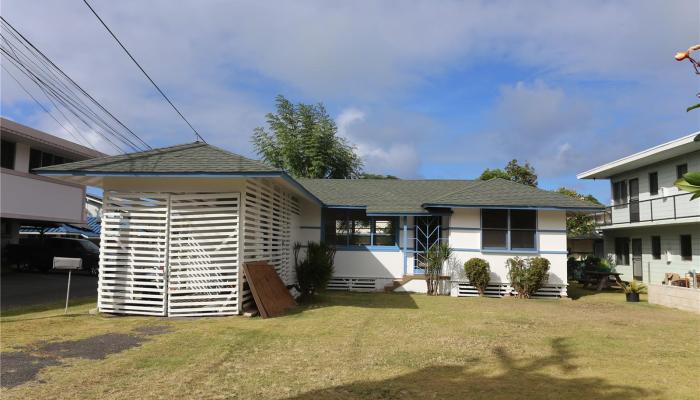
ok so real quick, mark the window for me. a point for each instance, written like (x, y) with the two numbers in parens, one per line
(38, 159)
(620, 192)
(355, 228)
(622, 251)
(508, 229)
(681, 170)
(656, 247)
(653, 183)
(686, 248)
(8, 154)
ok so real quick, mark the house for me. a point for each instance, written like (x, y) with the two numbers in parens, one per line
(31, 199)
(651, 228)
(178, 222)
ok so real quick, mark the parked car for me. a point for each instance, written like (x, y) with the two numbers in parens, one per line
(36, 253)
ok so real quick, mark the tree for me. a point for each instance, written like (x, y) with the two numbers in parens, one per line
(690, 182)
(515, 172)
(367, 175)
(685, 55)
(436, 256)
(302, 140)
(579, 224)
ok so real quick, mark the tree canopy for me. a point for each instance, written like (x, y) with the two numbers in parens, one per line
(579, 224)
(367, 175)
(302, 139)
(515, 172)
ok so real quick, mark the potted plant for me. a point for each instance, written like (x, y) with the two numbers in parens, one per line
(633, 289)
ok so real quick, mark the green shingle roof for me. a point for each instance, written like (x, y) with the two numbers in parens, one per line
(413, 196)
(192, 158)
(382, 195)
(378, 196)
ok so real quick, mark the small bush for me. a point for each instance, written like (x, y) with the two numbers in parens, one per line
(479, 273)
(634, 287)
(527, 276)
(592, 263)
(315, 270)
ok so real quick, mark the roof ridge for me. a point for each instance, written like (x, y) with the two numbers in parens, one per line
(230, 153)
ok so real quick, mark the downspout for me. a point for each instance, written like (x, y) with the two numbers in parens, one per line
(405, 244)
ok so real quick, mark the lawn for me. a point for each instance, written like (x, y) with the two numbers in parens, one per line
(359, 345)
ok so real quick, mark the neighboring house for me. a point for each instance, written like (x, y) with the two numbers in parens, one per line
(27, 198)
(178, 222)
(652, 228)
(93, 205)
(90, 230)
(582, 246)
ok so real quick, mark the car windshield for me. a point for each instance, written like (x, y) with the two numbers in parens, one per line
(88, 245)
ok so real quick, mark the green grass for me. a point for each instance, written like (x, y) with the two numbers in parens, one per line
(382, 346)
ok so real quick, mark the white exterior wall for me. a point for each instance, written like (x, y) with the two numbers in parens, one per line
(661, 203)
(31, 197)
(653, 271)
(465, 239)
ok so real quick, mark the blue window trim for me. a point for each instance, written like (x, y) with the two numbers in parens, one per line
(369, 248)
(508, 247)
(372, 220)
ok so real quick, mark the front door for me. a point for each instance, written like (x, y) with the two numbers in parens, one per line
(637, 259)
(634, 200)
(428, 232)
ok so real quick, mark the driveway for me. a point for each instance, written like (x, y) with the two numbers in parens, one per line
(22, 289)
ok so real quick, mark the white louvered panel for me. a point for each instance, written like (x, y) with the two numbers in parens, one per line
(353, 284)
(267, 232)
(133, 253)
(203, 254)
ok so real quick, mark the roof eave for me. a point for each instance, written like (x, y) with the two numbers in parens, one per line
(516, 207)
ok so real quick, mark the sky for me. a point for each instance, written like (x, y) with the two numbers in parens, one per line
(422, 89)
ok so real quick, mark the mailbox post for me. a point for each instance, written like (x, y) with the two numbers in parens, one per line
(67, 263)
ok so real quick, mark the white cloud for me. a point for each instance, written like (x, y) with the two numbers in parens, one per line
(346, 118)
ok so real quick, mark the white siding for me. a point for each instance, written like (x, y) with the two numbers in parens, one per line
(670, 241)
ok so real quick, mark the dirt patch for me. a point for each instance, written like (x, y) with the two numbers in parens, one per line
(93, 348)
(19, 367)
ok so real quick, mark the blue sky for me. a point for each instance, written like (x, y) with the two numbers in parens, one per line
(422, 89)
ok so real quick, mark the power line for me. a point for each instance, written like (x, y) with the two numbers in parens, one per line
(144, 72)
(57, 85)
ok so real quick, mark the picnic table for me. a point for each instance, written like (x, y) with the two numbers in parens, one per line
(601, 279)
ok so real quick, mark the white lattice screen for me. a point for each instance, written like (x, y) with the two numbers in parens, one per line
(170, 254)
(267, 232)
(133, 253)
(203, 254)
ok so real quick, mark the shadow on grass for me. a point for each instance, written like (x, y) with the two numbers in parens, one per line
(358, 299)
(520, 378)
(576, 291)
(57, 306)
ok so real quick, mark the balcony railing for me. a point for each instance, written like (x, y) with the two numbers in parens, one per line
(668, 208)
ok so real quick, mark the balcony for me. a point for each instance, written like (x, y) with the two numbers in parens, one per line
(668, 209)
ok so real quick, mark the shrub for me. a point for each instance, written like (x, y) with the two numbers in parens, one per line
(436, 257)
(479, 273)
(634, 287)
(592, 263)
(315, 270)
(527, 276)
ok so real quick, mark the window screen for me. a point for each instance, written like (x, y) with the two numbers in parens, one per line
(653, 183)
(8, 154)
(509, 229)
(681, 170)
(656, 247)
(686, 248)
(622, 251)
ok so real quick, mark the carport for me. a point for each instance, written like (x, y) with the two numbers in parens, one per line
(178, 223)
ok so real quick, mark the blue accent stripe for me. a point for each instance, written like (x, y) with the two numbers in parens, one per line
(504, 251)
(523, 207)
(370, 248)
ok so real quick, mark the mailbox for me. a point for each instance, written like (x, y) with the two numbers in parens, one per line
(67, 263)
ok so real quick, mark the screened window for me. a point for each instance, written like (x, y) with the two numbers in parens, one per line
(686, 248)
(508, 229)
(620, 192)
(355, 228)
(622, 251)
(38, 159)
(681, 170)
(653, 183)
(8, 154)
(656, 247)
